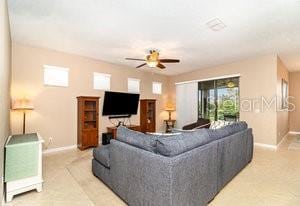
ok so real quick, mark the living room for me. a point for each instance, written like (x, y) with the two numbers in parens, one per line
(188, 64)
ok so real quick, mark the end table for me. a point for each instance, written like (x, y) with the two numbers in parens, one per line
(170, 123)
(23, 164)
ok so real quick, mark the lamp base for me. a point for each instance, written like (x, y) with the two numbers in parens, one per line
(24, 120)
(170, 115)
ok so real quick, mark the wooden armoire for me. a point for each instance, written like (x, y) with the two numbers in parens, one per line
(87, 122)
(148, 115)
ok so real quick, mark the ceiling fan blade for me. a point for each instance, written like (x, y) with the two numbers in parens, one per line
(141, 65)
(135, 59)
(169, 60)
(161, 66)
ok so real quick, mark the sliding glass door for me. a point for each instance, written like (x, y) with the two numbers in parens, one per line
(207, 103)
(219, 99)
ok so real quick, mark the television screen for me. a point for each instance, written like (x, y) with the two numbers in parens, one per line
(117, 103)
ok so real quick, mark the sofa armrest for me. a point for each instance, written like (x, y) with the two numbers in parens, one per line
(200, 122)
(190, 126)
(204, 126)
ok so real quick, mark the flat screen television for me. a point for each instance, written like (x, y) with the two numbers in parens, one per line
(117, 103)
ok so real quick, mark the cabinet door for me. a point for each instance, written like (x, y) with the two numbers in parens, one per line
(90, 138)
(151, 116)
(94, 138)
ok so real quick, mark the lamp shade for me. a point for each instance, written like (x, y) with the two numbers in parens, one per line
(170, 107)
(22, 104)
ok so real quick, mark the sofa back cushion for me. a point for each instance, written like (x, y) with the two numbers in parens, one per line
(215, 134)
(137, 139)
(228, 130)
(236, 127)
(177, 144)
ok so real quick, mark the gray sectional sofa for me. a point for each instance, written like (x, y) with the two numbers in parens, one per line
(185, 169)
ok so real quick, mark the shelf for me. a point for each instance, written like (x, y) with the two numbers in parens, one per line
(147, 115)
(88, 122)
(90, 129)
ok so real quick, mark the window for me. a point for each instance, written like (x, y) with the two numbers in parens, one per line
(101, 81)
(219, 99)
(133, 85)
(56, 76)
(156, 87)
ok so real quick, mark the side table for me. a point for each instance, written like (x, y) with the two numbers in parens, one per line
(23, 164)
(170, 124)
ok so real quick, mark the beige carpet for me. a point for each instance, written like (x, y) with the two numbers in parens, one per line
(98, 193)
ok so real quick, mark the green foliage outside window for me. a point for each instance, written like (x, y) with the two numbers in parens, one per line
(218, 101)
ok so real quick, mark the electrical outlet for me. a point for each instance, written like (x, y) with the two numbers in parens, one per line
(50, 140)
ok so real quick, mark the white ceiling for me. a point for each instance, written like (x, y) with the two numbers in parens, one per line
(111, 30)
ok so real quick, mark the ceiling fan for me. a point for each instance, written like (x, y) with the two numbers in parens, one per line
(153, 60)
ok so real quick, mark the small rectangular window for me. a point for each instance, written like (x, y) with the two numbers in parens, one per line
(133, 85)
(156, 87)
(56, 76)
(101, 81)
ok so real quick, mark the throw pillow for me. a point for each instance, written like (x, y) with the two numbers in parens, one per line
(219, 124)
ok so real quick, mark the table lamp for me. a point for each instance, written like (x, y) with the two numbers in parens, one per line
(170, 108)
(23, 105)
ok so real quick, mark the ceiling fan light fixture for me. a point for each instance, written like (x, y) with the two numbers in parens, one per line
(152, 60)
(152, 64)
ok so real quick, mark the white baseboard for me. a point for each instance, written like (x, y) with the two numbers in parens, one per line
(59, 149)
(282, 140)
(269, 146)
(293, 132)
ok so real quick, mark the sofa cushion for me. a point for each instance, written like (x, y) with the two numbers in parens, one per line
(215, 134)
(230, 129)
(175, 145)
(101, 154)
(236, 127)
(137, 139)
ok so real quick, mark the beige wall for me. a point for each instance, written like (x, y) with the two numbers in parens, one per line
(55, 107)
(55, 112)
(258, 78)
(294, 116)
(5, 68)
(282, 115)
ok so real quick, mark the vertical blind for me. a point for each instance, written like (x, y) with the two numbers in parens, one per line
(186, 103)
